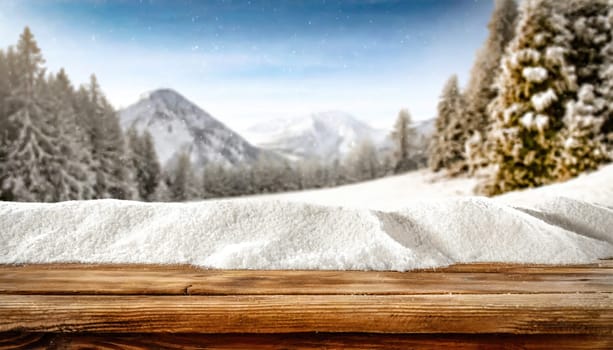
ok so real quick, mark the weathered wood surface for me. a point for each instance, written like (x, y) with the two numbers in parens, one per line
(464, 313)
(179, 280)
(477, 305)
(349, 341)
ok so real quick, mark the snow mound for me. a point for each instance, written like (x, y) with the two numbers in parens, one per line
(264, 234)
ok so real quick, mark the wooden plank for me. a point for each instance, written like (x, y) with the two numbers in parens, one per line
(524, 268)
(180, 280)
(488, 313)
(469, 267)
(298, 341)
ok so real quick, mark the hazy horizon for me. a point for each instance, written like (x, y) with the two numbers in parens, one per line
(250, 61)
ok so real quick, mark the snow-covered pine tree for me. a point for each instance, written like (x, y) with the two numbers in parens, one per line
(606, 75)
(30, 144)
(108, 147)
(162, 191)
(591, 25)
(5, 86)
(403, 136)
(481, 90)
(5, 89)
(535, 83)
(588, 22)
(363, 162)
(229, 181)
(266, 175)
(582, 149)
(241, 179)
(447, 145)
(181, 188)
(212, 181)
(388, 164)
(71, 176)
(309, 173)
(289, 177)
(152, 169)
(145, 163)
(133, 141)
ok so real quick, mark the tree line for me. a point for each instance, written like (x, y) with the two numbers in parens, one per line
(58, 142)
(538, 106)
(270, 175)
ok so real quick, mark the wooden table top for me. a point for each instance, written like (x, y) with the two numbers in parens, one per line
(77, 305)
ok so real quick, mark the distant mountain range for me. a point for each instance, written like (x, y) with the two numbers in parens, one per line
(327, 135)
(178, 125)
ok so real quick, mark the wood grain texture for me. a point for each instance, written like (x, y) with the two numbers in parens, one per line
(181, 280)
(472, 306)
(348, 341)
(590, 313)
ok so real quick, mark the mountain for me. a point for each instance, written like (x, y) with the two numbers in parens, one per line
(178, 125)
(328, 135)
(425, 127)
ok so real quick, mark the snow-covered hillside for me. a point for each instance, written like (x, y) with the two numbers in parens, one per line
(327, 135)
(392, 193)
(382, 194)
(178, 125)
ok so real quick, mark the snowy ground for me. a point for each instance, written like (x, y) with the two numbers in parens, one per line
(424, 224)
(393, 193)
(382, 194)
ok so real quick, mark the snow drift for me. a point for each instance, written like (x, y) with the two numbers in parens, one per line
(278, 235)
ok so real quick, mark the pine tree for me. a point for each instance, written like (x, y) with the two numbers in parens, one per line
(605, 74)
(363, 161)
(481, 90)
(135, 152)
(5, 90)
(152, 169)
(587, 20)
(182, 187)
(535, 83)
(71, 176)
(212, 177)
(145, 163)
(403, 137)
(447, 145)
(582, 148)
(266, 175)
(29, 143)
(162, 191)
(5, 86)
(591, 24)
(108, 147)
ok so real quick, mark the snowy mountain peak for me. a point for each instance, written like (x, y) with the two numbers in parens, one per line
(327, 135)
(178, 125)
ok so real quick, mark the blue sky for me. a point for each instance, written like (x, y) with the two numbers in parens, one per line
(249, 61)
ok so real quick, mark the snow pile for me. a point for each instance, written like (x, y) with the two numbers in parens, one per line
(595, 187)
(565, 223)
(279, 235)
